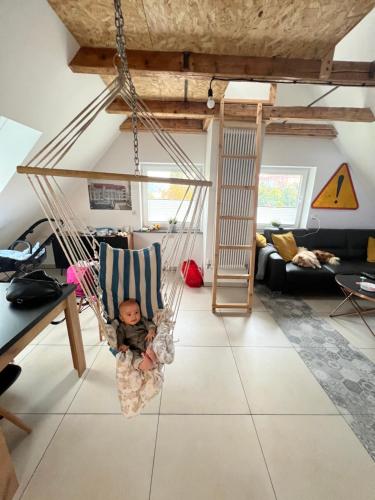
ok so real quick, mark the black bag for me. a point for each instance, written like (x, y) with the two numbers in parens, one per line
(33, 288)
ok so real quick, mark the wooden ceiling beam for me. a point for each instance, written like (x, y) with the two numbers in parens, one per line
(319, 113)
(199, 110)
(327, 65)
(188, 64)
(289, 129)
(182, 125)
(302, 129)
(167, 109)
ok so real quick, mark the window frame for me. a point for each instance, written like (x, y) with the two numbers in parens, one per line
(304, 195)
(17, 140)
(146, 169)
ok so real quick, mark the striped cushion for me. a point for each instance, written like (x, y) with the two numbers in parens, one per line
(130, 274)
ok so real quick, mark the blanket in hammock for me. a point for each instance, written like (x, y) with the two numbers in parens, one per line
(135, 388)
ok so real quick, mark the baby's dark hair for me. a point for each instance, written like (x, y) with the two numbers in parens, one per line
(128, 302)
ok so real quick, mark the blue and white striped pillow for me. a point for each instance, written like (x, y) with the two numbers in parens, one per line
(130, 274)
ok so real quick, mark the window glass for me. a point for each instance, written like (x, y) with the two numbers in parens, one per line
(16, 142)
(161, 201)
(281, 195)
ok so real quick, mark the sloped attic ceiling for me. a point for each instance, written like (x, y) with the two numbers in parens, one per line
(38, 89)
(284, 28)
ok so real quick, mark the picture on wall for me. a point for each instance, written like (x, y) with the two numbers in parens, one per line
(108, 196)
(338, 193)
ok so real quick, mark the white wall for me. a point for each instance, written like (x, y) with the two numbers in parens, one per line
(38, 89)
(119, 158)
(142, 240)
(357, 140)
(326, 157)
(212, 155)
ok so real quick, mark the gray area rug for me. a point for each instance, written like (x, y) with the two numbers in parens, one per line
(346, 375)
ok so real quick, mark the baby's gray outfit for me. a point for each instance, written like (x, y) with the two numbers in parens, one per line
(134, 336)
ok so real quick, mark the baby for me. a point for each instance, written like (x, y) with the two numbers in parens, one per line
(136, 333)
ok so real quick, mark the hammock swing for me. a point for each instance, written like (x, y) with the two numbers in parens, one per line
(151, 276)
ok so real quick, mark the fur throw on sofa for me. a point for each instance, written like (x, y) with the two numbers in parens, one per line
(326, 257)
(314, 258)
(305, 258)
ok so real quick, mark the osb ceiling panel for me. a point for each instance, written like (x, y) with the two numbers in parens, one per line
(285, 28)
(173, 88)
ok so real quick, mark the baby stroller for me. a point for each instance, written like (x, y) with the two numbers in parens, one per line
(23, 256)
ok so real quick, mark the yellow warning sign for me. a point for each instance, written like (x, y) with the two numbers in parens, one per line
(338, 193)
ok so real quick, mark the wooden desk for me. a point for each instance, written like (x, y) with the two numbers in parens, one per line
(20, 325)
(115, 241)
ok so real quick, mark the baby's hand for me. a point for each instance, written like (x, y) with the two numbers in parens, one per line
(123, 348)
(150, 336)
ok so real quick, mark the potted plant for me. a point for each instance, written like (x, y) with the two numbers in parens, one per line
(172, 225)
(276, 224)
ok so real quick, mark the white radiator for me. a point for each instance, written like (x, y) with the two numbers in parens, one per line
(237, 202)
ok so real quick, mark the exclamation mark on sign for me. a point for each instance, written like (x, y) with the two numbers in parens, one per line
(340, 180)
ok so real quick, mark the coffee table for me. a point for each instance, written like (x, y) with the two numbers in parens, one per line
(349, 284)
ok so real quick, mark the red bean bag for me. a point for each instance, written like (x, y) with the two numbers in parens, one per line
(193, 274)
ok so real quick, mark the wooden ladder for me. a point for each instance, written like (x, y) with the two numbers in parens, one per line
(236, 202)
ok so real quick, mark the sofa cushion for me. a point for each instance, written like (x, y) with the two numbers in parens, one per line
(371, 249)
(285, 244)
(261, 241)
(306, 276)
(352, 266)
(330, 240)
(357, 240)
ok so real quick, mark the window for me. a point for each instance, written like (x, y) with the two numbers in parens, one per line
(161, 201)
(282, 194)
(16, 142)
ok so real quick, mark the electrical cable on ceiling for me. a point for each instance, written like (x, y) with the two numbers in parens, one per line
(257, 80)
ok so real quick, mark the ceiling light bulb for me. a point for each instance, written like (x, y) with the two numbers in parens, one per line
(210, 100)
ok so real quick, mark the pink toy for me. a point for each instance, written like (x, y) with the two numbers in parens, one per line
(73, 274)
(76, 273)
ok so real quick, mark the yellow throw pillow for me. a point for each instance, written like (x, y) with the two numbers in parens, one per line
(285, 245)
(261, 240)
(371, 249)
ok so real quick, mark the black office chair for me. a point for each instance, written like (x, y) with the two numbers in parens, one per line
(7, 378)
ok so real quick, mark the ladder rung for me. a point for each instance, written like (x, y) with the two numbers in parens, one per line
(237, 186)
(240, 157)
(235, 247)
(236, 217)
(234, 305)
(233, 276)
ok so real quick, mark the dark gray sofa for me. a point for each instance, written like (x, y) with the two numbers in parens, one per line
(348, 244)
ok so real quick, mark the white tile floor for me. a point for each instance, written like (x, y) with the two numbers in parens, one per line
(240, 417)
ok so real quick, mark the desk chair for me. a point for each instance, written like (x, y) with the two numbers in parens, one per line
(7, 378)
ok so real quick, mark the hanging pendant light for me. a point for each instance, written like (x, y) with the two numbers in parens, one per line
(210, 100)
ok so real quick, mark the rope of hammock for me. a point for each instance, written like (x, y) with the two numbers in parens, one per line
(72, 233)
(68, 232)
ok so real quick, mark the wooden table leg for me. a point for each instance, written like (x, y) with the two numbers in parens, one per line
(75, 335)
(8, 479)
(14, 419)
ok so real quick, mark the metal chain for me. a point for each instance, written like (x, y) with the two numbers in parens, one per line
(125, 77)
